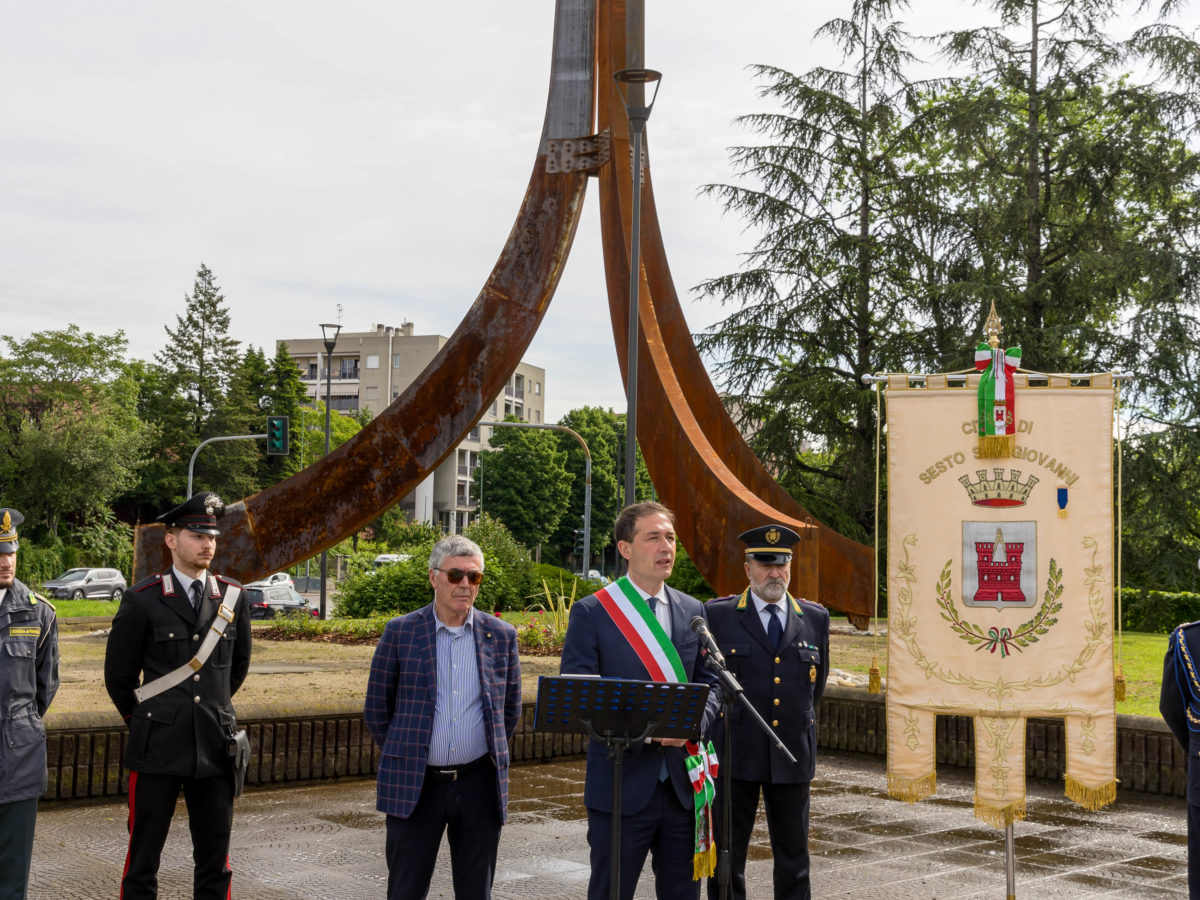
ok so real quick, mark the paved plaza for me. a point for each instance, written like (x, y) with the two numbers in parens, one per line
(326, 841)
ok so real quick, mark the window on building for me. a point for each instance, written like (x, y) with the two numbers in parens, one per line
(348, 368)
(395, 360)
(395, 393)
(312, 370)
(372, 362)
(537, 417)
(372, 393)
(537, 389)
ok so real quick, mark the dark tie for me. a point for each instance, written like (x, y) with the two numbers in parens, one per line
(197, 595)
(775, 627)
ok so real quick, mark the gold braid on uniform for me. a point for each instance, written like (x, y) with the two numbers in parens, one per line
(1193, 681)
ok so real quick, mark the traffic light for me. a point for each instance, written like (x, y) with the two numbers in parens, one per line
(277, 436)
(578, 541)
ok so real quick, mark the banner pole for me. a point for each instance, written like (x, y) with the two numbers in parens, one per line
(1010, 863)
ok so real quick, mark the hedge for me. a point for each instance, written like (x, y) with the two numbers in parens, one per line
(1157, 612)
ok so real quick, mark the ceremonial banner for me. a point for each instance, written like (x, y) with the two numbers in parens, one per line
(1000, 584)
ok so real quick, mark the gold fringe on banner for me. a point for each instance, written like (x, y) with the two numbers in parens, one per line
(911, 790)
(1092, 798)
(874, 681)
(704, 863)
(1119, 683)
(996, 446)
(999, 816)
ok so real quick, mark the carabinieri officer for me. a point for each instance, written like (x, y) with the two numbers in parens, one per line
(1179, 703)
(182, 725)
(778, 647)
(28, 681)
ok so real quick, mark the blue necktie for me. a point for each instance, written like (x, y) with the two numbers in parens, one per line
(197, 595)
(775, 627)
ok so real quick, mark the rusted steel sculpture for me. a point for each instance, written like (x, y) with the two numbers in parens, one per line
(700, 464)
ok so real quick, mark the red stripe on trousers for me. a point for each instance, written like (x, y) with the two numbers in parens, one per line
(129, 850)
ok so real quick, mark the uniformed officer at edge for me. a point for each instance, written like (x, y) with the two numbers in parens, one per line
(1179, 703)
(778, 648)
(28, 682)
(179, 739)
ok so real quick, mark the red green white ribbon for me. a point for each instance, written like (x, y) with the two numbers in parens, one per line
(702, 771)
(996, 408)
(632, 616)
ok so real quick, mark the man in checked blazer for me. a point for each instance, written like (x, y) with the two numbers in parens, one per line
(443, 701)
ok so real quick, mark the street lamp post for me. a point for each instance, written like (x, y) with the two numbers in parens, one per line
(631, 83)
(329, 333)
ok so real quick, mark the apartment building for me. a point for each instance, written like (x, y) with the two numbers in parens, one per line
(372, 368)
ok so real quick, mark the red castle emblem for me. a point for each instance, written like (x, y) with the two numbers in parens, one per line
(999, 566)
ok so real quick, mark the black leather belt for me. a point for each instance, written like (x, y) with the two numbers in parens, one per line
(453, 773)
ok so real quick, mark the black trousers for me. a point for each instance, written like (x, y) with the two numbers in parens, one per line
(16, 847)
(662, 828)
(469, 810)
(210, 818)
(787, 824)
(1193, 821)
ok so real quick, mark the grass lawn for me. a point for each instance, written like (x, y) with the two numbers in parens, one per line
(71, 608)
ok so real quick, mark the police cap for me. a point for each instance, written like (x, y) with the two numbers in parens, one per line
(770, 544)
(9, 520)
(199, 514)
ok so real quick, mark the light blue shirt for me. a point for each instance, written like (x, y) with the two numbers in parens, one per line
(458, 731)
(764, 614)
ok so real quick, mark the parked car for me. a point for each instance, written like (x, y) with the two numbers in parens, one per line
(75, 584)
(277, 599)
(279, 578)
(384, 559)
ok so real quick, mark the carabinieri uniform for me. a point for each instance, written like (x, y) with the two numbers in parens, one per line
(1179, 703)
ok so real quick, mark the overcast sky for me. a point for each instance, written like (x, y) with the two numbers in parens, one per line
(360, 153)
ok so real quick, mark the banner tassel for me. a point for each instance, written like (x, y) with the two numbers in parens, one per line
(1092, 798)
(1119, 683)
(999, 816)
(911, 790)
(996, 446)
(874, 681)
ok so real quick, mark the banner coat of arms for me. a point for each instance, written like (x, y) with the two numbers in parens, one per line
(1000, 584)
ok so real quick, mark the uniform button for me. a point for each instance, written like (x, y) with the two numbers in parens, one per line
(777, 660)
(774, 723)
(195, 637)
(197, 678)
(733, 652)
(171, 634)
(197, 698)
(776, 702)
(777, 679)
(149, 714)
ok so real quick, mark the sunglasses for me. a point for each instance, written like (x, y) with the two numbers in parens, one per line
(454, 576)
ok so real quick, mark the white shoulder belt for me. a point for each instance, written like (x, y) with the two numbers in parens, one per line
(222, 621)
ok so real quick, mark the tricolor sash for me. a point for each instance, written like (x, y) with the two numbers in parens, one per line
(632, 616)
(702, 770)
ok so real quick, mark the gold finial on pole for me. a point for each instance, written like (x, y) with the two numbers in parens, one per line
(992, 327)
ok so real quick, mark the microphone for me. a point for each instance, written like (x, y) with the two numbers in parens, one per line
(700, 626)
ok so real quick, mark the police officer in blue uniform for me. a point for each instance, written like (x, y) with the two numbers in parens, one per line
(1179, 703)
(28, 682)
(778, 648)
(180, 738)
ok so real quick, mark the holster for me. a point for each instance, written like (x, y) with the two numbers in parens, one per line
(239, 750)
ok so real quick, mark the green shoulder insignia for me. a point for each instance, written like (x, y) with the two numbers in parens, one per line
(744, 599)
(796, 607)
(34, 599)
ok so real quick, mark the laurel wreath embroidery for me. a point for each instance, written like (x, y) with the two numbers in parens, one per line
(1006, 640)
(1094, 631)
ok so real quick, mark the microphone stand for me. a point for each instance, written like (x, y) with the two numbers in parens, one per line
(731, 690)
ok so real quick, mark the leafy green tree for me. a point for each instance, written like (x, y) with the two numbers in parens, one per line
(526, 485)
(287, 395)
(598, 427)
(73, 439)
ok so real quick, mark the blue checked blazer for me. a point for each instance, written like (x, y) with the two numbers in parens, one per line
(595, 646)
(402, 690)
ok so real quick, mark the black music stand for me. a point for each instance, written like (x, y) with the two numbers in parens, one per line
(620, 713)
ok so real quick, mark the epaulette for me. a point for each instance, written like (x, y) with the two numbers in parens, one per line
(808, 602)
(229, 581)
(1184, 625)
(147, 581)
(718, 599)
(35, 599)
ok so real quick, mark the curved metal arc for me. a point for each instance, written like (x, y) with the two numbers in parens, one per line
(715, 483)
(334, 498)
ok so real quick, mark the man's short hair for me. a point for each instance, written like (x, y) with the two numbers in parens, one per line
(627, 518)
(454, 545)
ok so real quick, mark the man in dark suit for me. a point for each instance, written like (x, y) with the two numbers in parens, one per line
(1179, 703)
(185, 634)
(443, 702)
(777, 646)
(657, 805)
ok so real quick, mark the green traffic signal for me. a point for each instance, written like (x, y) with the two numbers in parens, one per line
(277, 436)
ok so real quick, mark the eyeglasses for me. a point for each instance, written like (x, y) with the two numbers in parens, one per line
(454, 576)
